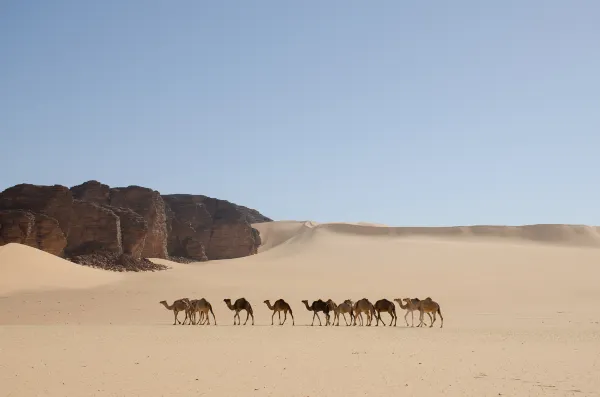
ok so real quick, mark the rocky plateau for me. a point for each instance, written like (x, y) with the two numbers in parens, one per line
(120, 228)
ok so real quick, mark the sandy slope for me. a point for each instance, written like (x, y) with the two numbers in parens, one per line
(521, 309)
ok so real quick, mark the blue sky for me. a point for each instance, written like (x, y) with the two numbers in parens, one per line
(405, 113)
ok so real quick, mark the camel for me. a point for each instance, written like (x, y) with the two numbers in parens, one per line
(332, 307)
(363, 306)
(429, 306)
(384, 305)
(342, 308)
(239, 305)
(203, 307)
(317, 306)
(280, 306)
(411, 306)
(180, 305)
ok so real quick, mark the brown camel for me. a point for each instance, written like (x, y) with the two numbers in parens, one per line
(342, 308)
(317, 306)
(332, 307)
(180, 305)
(203, 307)
(239, 305)
(280, 306)
(429, 306)
(411, 306)
(384, 305)
(363, 306)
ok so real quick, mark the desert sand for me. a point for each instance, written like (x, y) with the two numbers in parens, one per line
(521, 309)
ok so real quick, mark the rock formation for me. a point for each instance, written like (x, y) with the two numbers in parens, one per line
(119, 227)
(150, 205)
(36, 230)
(221, 229)
(93, 228)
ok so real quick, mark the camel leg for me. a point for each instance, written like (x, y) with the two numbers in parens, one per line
(252, 315)
(293, 321)
(284, 317)
(313, 322)
(237, 314)
(392, 320)
(319, 318)
(273, 316)
(247, 316)
(441, 318)
(175, 314)
(346, 321)
(434, 318)
(280, 318)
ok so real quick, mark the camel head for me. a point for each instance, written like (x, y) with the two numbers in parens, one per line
(163, 302)
(305, 301)
(227, 300)
(266, 301)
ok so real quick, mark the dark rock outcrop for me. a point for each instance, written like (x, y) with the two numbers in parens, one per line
(218, 227)
(93, 228)
(54, 201)
(36, 230)
(47, 235)
(120, 226)
(92, 191)
(150, 205)
(134, 230)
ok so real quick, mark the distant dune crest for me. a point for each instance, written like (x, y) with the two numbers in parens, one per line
(279, 232)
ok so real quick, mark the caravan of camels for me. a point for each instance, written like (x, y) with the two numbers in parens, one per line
(202, 308)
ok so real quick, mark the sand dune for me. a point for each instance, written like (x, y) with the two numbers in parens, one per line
(23, 268)
(521, 308)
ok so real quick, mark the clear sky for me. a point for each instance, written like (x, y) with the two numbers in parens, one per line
(396, 112)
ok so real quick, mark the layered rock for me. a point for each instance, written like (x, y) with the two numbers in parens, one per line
(93, 228)
(218, 227)
(149, 204)
(126, 224)
(92, 191)
(134, 230)
(54, 201)
(189, 225)
(36, 230)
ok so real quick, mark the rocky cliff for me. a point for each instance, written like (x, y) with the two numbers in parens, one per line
(93, 223)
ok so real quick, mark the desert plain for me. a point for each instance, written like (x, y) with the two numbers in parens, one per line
(521, 311)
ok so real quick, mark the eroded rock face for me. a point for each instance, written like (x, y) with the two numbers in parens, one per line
(35, 230)
(92, 191)
(231, 240)
(93, 229)
(219, 227)
(189, 225)
(16, 226)
(134, 230)
(149, 204)
(130, 222)
(54, 201)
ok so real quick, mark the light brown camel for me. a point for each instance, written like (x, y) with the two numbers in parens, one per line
(203, 307)
(239, 305)
(317, 306)
(411, 306)
(280, 306)
(363, 306)
(343, 308)
(384, 305)
(427, 305)
(180, 305)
